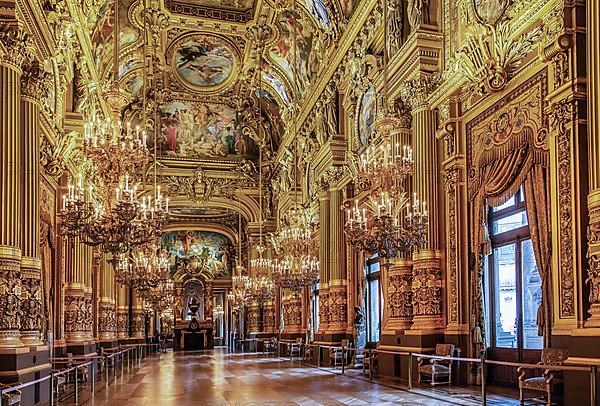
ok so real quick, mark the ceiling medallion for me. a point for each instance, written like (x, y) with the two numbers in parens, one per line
(203, 62)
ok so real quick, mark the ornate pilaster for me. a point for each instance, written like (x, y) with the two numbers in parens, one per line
(593, 200)
(123, 312)
(13, 52)
(269, 321)
(77, 293)
(324, 256)
(427, 275)
(33, 89)
(338, 292)
(397, 290)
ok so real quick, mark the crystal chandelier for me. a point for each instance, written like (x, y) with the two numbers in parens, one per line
(386, 223)
(298, 265)
(143, 269)
(160, 297)
(260, 288)
(238, 297)
(109, 212)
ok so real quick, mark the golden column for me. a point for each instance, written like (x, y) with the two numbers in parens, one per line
(33, 88)
(338, 295)
(593, 117)
(324, 257)
(12, 55)
(427, 274)
(107, 315)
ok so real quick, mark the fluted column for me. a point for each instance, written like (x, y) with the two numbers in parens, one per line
(427, 274)
(593, 131)
(32, 90)
(78, 303)
(338, 295)
(107, 315)
(12, 55)
(324, 257)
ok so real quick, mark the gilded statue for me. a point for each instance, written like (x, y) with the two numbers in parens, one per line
(395, 24)
(418, 12)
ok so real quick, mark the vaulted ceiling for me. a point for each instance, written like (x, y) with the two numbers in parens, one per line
(207, 90)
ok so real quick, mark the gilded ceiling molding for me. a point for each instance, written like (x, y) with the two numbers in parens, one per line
(54, 158)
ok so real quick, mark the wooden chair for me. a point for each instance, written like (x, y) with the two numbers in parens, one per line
(11, 398)
(337, 355)
(370, 360)
(550, 383)
(82, 372)
(295, 348)
(437, 371)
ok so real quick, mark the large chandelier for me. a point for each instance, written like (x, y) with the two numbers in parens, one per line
(386, 222)
(238, 297)
(109, 212)
(260, 288)
(298, 264)
(143, 269)
(160, 297)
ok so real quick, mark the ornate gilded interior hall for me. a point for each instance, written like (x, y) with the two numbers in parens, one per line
(299, 202)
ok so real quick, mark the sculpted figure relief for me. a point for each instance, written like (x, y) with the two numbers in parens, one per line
(418, 12)
(395, 24)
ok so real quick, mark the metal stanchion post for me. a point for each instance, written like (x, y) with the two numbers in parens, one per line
(410, 370)
(483, 383)
(343, 358)
(106, 369)
(93, 377)
(593, 388)
(371, 355)
(51, 389)
(76, 388)
(128, 360)
(122, 362)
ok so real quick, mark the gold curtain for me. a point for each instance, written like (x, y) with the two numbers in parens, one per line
(499, 180)
(536, 205)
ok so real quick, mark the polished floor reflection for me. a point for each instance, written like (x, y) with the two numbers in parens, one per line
(221, 379)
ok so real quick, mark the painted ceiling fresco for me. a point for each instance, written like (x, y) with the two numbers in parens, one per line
(203, 60)
(215, 248)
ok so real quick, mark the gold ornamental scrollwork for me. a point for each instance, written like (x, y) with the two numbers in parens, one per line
(561, 116)
(54, 158)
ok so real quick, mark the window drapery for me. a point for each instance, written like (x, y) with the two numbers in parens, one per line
(499, 179)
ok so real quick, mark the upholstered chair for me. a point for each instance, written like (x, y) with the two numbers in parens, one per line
(11, 398)
(550, 383)
(336, 355)
(437, 371)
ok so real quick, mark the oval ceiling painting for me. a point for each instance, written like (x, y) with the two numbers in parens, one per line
(203, 61)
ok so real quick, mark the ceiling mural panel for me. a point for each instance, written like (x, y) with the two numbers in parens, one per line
(295, 33)
(203, 61)
(214, 248)
(202, 130)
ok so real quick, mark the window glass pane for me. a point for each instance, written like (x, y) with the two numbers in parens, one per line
(505, 288)
(374, 267)
(509, 223)
(374, 314)
(532, 297)
(509, 202)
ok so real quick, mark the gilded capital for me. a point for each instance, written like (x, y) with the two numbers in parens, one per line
(35, 81)
(15, 46)
(416, 92)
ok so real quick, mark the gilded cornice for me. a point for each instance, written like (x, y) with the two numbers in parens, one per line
(33, 14)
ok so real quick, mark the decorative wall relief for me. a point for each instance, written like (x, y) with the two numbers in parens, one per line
(399, 296)
(78, 315)
(107, 319)
(31, 301)
(338, 305)
(10, 293)
(561, 115)
(426, 290)
(450, 183)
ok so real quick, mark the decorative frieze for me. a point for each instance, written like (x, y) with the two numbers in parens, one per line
(31, 306)
(10, 306)
(426, 293)
(107, 320)
(78, 317)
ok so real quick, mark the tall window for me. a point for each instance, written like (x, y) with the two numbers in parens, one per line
(373, 299)
(315, 309)
(513, 282)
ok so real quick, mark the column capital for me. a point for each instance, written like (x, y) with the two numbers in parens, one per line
(15, 45)
(35, 81)
(415, 92)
